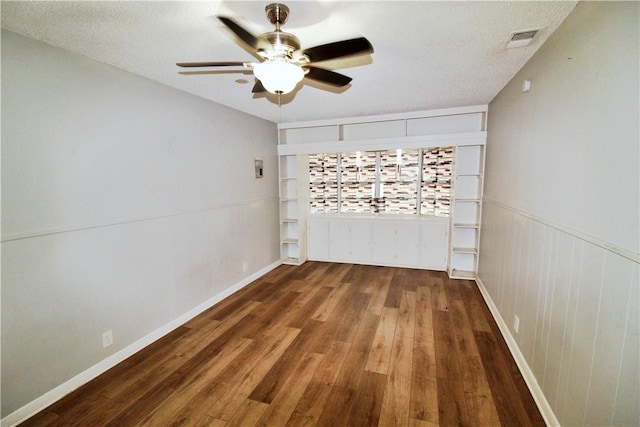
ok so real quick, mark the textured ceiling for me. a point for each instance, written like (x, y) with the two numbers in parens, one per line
(427, 54)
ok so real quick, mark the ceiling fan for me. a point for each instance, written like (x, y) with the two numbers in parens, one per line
(282, 63)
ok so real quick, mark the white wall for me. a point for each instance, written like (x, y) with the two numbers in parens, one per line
(125, 205)
(561, 216)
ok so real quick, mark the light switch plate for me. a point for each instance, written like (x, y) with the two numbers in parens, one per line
(259, 170)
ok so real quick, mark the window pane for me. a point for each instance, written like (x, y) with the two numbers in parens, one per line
(437, 164)
(399, 181)
(323, 183)
(358, 175)
(382, 182)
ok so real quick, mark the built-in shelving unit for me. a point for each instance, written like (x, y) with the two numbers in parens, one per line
(292, 218)
(466, 213)
(463, 128)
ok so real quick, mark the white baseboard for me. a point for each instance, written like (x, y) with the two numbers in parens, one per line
(52, 396)
(539, 397)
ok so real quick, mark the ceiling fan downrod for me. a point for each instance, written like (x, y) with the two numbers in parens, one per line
(277, 14)
(282, 44)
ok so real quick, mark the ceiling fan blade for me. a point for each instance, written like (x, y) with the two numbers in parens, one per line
(244, 35)
(211, 64)
(213, 72)
(358, 46)
(327, 76)
(258, 88)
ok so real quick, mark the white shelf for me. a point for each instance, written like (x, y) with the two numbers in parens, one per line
(464, 250)
(471, 225)
(464, 241)
(462, 274)
(294, 176)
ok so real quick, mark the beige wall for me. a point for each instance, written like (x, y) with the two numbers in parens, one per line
(125, 205)
(561, 220)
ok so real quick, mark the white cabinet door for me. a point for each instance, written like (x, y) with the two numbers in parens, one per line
(339, 236)
(360, 240)
(384, 243)
(407, 244)
(396, 243)
(434, 244)
(349, 241)
(421, 244)
(318, 243)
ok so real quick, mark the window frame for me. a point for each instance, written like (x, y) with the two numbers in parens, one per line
(417, 210)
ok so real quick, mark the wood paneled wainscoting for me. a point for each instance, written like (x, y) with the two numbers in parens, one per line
(319, 344)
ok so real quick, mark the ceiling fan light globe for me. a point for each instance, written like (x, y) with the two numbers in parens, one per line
(278, 77)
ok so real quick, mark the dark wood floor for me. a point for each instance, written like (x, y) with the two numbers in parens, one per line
(321, 344)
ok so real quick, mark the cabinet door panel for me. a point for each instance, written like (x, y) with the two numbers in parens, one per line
(407, 244)
(318, 244)
(434, 246)
(360, 240)
(384, 243)
(339, 236)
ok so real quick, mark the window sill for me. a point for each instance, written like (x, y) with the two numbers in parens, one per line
(382, 217)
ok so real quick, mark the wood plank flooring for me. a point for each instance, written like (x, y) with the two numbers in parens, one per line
(321, 344)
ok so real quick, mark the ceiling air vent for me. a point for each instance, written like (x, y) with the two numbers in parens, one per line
(521, 38)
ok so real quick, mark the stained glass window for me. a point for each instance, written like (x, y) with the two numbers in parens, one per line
(437, 164)
(357, 181)
(399, 173)
(323, 182)
(411, 181)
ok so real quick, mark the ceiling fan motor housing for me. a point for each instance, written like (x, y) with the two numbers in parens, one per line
(282, 44)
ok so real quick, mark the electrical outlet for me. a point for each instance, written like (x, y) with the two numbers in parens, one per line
(107, 339)
(516, 324)
(245, 267)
